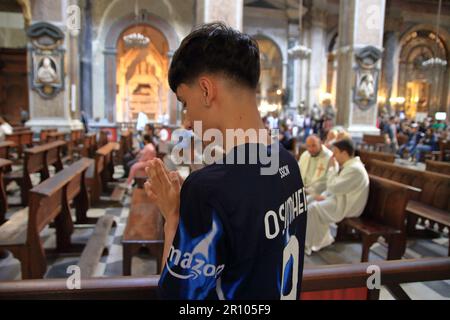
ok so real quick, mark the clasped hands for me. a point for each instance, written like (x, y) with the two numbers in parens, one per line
(163, 188)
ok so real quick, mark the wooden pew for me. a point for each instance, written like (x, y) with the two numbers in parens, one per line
(20, 128)
(103, 138)
(92, 136)
(107, 151)
(372, 142)
(126, 145)
(444, 150)
(438, 166)
(145, 227)
(333, 282)
(433, 202)
(73, 145)
(55, 136)
(44, 134)
(88, 145)
(4, 164)
(366, 156)
(21, 139)
(102, 172)
(5, 147)
(48, 202)
(384, 216)
(94, 178)
(37, 159)
(349, 282)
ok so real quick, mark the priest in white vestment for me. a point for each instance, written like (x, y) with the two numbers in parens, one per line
(314, 166)
(345, 197)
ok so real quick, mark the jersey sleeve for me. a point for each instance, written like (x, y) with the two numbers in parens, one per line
(197, 256)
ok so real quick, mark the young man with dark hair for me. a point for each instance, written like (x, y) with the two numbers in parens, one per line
(230, 231)
(345, 197)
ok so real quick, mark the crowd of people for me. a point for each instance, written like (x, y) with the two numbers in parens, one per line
(419, 137)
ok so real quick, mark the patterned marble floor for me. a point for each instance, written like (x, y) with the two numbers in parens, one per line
(143, 264)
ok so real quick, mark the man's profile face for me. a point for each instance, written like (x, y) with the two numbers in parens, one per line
(191, 98)
(314, 146)
(339, 155)
(200, 103)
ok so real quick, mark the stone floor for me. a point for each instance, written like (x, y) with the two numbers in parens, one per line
(111, 265)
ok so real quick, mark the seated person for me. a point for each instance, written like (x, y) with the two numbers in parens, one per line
(413, 139)
(345, 197)
(427, 144)
(314, 165)
(146, 154)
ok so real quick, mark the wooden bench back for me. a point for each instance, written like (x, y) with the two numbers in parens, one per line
(107, 152)
(387, 202)
(75, 177)
(438, 166)
(54, 153)
(444, 147)
(55, 136)
(345, 281)
(126, 144)
(436, 190)
(99, 163)
(435, 187)
(20, 128)
(103, 138)
(45, 205)
(26, 138)
(49, 202)
(366, 156)
(5, 146)
(372, 139)
(76, 136)
(35, 162)
(89, 145)
(44, 133)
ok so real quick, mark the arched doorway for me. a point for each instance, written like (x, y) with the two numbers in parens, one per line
(141, 75)
(270, 87)
(110, 52)
(423, 84)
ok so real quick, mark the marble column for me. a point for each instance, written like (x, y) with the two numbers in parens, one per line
(60, 111)
(86, 60)
(389, 66)
(318, 63)
(361, 25)
(110, 84)
(228, 11)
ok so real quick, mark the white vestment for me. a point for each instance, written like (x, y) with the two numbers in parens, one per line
(346, 196)
(314, 170)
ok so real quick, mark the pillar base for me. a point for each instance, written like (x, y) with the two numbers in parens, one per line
(63, 125)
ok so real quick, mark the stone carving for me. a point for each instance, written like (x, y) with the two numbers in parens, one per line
(47, 59)
(47, 73)
(365, 90)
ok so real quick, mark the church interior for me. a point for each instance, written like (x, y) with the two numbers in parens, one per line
(83, 81)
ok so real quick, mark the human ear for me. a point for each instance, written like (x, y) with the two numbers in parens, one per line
(206, 87)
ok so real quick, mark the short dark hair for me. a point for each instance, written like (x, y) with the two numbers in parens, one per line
(216, 48)
(345, 145)
(147, 138)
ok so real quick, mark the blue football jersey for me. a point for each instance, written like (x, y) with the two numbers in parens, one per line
(241, 233)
